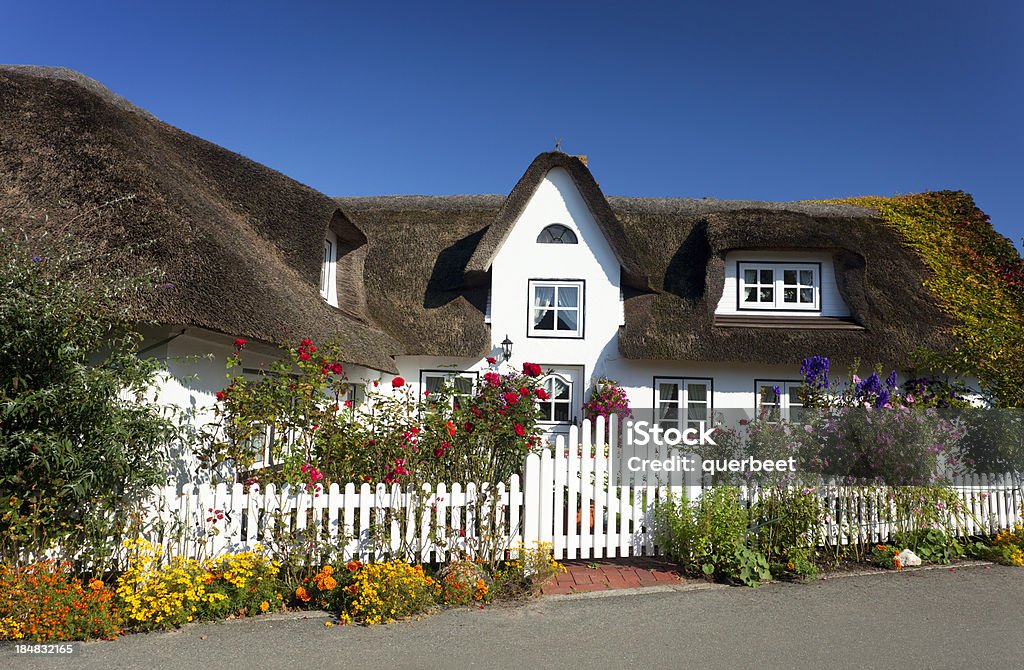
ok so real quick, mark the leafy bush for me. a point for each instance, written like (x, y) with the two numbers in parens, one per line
(444, 436)
(709, 537)
(79, 444)
(978, 277)
(800, 562)
(43, 602)
(786, 521)
(932, 545)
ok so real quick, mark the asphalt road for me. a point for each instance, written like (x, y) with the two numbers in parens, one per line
(941, 618)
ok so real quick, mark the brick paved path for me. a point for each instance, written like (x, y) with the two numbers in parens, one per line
(604, 574)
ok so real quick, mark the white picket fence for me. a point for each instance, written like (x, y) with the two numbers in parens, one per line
(569, 496)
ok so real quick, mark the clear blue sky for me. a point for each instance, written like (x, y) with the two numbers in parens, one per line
(763, 100)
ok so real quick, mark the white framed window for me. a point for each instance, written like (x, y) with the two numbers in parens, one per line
(433, 382)
(779, 400)
(682, 403)
(558, 407)
(779, 286)
(329, 269)
(556, 308)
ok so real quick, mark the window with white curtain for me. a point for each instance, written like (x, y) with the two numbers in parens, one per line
(556, 308)
(558, 406)
(682, 403)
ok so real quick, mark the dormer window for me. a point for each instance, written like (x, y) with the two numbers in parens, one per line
(556, 233)
(329, 269)
(779, 286)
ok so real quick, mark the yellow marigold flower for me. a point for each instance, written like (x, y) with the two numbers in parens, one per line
(264, 606)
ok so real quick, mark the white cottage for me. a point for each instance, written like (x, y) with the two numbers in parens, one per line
(691, 304)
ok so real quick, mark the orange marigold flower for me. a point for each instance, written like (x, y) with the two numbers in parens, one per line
(95, 585)
(327, 570)
(264, 606)
(302, 594)
(353, 565)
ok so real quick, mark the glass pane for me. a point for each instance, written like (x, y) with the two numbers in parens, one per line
(766, 276)
(545, 411)
(767, 295)
(668, 414)
(434, 384)
(568, 296)
(696, 414)
(750, 276)
(557, 389)
(750, 295)
(561, 411)
(794, 397)
(789, 295)
(807, 277)
(789, 276)
(768, 396)
(543, 296)
(807, 295)
(567, 319)
(544, 319)
(668, 391)
(463, 385)
(697, 393)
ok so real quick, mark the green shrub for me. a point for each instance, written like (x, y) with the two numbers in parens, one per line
(786, 520)
(709, 537)
(79, 443)
(931, 545)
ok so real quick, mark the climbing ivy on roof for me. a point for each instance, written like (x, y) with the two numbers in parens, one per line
(977, 276)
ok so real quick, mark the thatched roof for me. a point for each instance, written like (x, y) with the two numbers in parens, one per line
(420, 249)
(684, 242)
(241, 243)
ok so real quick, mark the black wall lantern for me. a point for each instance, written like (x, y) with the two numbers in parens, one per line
(506, 348)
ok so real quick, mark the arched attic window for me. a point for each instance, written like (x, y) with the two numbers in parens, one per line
(556, 233)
